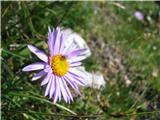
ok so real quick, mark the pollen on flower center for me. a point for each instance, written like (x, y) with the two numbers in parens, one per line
(59, 65)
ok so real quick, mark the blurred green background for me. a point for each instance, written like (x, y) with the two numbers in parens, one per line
(124, 49)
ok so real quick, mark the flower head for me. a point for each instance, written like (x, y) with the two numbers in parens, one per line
(139, 15)
(59, 69)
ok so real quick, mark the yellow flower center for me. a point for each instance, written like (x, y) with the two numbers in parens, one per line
(59, 65)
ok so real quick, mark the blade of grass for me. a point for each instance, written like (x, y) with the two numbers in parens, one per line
(57, 105)
(64, 108)
(28, 116)
(27, 13)
(44, 100)
(62, 115)
(13, 54)
(142, 113)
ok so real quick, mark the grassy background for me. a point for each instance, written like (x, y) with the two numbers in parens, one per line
(127, 49)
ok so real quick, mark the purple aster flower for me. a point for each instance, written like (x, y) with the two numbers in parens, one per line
(139, 15)
(59, 69)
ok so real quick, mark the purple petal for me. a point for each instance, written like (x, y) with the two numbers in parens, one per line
(77, 73)
(75, 53)
(63, 91)
(48, 86)
(56, 91)
(39, 75)
(75, 64)
(77, 59)
(75, 79)
(52, 86)
(46, 79)
(70, 47)
(49, 30)
(57, 40)
(73, 84)
(59, 91)
(67, 90)
(62, 41)
(34, 66)
(50, 41)
(38, 53)
(47, 68)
